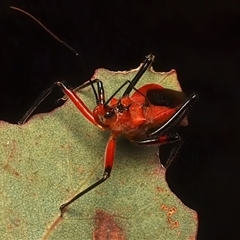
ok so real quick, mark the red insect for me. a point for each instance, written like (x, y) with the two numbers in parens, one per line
(150, 116)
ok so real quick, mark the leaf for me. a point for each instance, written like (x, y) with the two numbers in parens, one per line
(48, 160)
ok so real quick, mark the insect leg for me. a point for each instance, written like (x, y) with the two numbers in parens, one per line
(74, 98)
(145, 65)
(169, 147)
(108, 164)
(100, 90)
(168, 152)
(175, 120)
(158, 140)
(84, 85)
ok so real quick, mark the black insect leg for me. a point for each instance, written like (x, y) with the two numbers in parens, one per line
(66, 90)
(37, 103)
(169, 147)
(108, 164)
(84, 85)
(172, 123)
(105, 176)
(145, 65)
(169, 152)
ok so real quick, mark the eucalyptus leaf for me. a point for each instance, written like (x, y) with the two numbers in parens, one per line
(53, 156)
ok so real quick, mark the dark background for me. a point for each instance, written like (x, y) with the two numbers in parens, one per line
(200, 40)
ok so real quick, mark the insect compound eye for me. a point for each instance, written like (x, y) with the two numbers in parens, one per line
(109, 113)
(165, 97)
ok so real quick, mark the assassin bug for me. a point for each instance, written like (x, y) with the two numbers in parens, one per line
(150, 116)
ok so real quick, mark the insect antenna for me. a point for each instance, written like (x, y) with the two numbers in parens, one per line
(46, 29)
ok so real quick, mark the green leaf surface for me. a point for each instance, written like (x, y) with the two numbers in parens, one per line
(54, 156)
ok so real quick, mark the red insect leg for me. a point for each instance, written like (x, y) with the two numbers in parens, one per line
(73, 97)
(78, 103)
(110, 153)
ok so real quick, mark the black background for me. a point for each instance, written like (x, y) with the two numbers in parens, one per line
(200, 40)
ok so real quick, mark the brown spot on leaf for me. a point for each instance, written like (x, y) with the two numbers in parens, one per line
(164, 207)
(14, 223)
(13, 150)
(170, 211)
(8, 168)
(160, 189)
(13, 219)
(106, 228)
(11, 157)
(173, 223)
